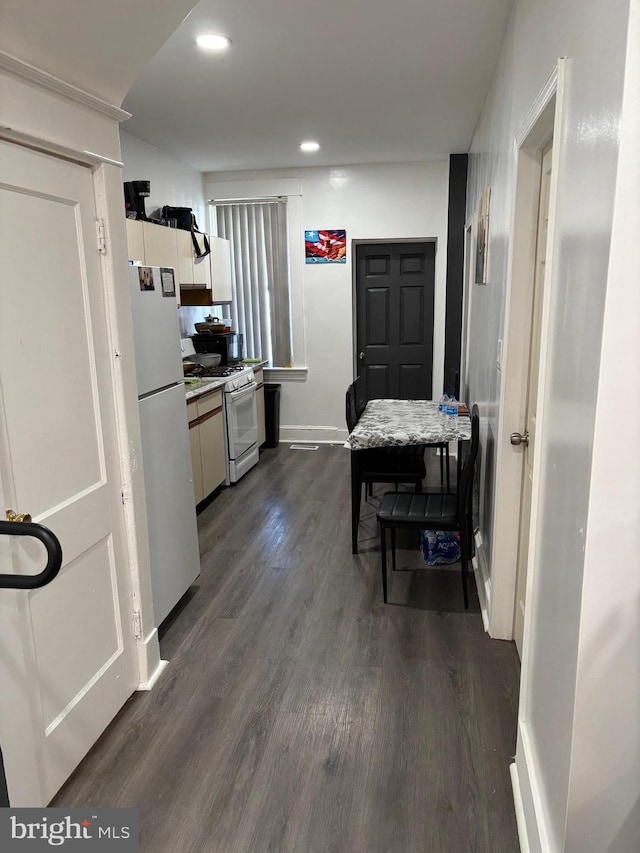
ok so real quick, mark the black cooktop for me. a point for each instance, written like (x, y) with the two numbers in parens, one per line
(221, 371)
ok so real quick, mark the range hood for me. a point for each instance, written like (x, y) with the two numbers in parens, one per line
(196, 294)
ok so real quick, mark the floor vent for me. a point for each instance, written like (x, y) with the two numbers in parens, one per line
(303, 447)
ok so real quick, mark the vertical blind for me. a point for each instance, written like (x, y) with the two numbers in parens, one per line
(261, 307)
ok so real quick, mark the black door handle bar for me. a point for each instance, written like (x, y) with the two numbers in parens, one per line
(54, 555)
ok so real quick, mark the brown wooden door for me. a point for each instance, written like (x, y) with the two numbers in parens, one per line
(394, 311)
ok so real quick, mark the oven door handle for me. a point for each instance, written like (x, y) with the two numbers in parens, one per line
(242, 392)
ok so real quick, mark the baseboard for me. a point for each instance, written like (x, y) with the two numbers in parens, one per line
(150, 684)
(313, 434)
(519, 809)
(149, 663)
(532, 818)
(483, 579)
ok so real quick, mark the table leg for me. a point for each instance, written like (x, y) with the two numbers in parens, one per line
(356, 496)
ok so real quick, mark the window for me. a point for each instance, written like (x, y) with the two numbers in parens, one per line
(260, 278)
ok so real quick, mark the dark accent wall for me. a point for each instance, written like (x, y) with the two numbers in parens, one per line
(455, 271)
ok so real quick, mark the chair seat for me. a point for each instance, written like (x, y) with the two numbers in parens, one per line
(378, 463)
(430, 511)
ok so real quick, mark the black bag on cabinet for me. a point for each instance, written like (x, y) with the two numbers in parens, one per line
(186, 221)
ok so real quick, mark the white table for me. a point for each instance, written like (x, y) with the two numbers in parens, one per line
(398, 423)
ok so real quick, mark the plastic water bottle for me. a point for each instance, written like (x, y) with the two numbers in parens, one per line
(442, 408)
(452, 415)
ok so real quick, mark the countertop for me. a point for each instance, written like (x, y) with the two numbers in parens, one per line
(210, 383)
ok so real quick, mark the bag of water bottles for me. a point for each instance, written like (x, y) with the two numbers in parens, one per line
(440, 547)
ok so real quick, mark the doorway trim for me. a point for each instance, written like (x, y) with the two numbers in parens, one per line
(543, 122)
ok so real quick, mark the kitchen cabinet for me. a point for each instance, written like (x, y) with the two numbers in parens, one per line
(262, 435)
(201, 266)
(220, 269)
(194, 440)
(160, 246)
(153, 246)
(194, 273)
(206, 434)
(185, 257)
(135, 240)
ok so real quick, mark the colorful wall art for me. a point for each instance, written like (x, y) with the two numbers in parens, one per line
(327, 246)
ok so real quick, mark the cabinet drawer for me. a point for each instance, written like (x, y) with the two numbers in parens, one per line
(208, 402)
(192, 410)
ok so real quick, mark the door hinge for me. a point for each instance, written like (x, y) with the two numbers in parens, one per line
(102, 236)
(137, 624)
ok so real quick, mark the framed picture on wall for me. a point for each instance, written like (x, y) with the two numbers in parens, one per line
(482, 243)
(325, 246)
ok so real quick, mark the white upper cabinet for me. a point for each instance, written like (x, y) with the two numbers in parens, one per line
(160, 246)
(135, 241)
(201, 266)
(221, 269)
(153, 246)
(185, 257)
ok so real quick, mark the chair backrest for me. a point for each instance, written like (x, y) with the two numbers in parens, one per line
(355, 404)
(468, 468)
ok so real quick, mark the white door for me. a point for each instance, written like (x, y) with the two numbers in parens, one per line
(67, 656)
(532, 394)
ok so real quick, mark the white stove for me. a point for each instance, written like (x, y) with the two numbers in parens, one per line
(240, 414)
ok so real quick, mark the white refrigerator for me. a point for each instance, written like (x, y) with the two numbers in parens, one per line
(166, 455)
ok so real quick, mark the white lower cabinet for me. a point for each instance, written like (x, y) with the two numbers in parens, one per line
(206, 432)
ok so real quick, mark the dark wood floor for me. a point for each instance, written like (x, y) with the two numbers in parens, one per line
(299, 714)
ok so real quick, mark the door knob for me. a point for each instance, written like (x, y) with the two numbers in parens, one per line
(361, 356)
(517, 438)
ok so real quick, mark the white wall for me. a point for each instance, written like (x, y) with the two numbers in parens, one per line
(604, 806)
(372, 202)
(172, 181)
(592, 35)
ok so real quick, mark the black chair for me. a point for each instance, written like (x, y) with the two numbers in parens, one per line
(440, 511)
(378, 464)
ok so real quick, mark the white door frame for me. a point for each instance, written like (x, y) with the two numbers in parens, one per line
(543, 121)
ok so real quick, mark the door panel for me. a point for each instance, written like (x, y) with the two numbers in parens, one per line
(394, 294)
(378, 316)
(377, 382)
(59, 460)
(411, 314)
(412, 381)
(52, 342)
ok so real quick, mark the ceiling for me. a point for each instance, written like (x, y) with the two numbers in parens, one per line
(373, 81)
(98, 46)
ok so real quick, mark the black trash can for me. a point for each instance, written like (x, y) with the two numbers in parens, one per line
(272, 413)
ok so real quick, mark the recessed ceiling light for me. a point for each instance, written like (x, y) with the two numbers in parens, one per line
(211, 41)
(310, 146)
